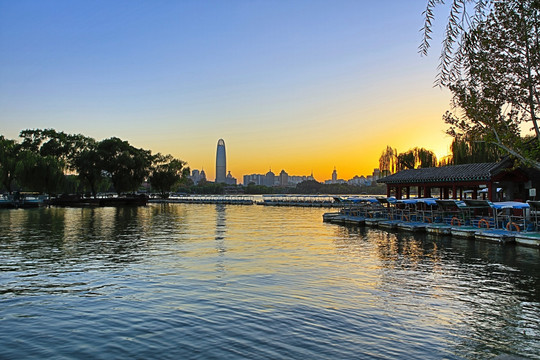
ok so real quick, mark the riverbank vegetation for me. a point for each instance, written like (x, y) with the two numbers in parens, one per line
(52, 162)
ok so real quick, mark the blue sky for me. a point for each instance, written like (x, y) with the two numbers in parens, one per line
(299, 85)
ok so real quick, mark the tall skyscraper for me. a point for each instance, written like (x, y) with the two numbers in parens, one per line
(221, 162)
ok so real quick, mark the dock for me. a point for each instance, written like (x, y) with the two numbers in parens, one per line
(502, 222)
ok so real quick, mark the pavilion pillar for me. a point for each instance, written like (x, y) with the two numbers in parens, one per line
(420, 195)
(454, 192)
(475, 194)
(446, 192)
(388, 190)
(398, 192)
(427, 191)
(490, 191)
(408, 192)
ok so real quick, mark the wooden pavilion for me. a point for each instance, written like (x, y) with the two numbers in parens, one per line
(498, 181)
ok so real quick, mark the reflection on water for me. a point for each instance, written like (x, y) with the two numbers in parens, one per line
(218, 281)
(221, 230)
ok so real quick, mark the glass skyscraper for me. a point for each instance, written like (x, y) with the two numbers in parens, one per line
(221, 162)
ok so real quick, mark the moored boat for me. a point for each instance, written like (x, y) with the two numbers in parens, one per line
(531, 239)
(495, 235)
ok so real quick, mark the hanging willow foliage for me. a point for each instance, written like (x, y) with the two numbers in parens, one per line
(463, 15)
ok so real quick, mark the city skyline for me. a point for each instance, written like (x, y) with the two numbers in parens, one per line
(300, 85)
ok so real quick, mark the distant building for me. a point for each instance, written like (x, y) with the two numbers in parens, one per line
(221, 162)
(369, 180)
(270, 178)
(357, 180)
(335, 179)
(197, 176)
(283, 178)
(257, 179)
(230, 180)
(295, 180)
(203, 175)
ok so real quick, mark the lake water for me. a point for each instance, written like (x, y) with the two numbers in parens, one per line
(184, 281)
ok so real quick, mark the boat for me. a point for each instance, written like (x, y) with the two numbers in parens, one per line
(531, 239)
(495, 235)
(531, 236)
(439, 228)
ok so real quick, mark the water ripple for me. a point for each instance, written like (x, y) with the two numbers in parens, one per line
(251, 282)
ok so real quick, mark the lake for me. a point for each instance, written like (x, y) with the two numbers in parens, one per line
(188, 281)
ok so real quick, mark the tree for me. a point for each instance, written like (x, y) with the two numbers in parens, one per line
(388, 160)
(465, 151)
(166, 172)
(425, 158)
(87, 163)
(491, 63)
(126, 165)
(40, 173)
(406, 160)
(460, 21)
(9, 156)
(309, 187)
(416, 158)
(49, 142)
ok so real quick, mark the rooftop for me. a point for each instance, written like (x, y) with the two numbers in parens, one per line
(455, 173)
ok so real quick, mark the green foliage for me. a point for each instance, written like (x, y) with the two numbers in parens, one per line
(42, 159)
(126, 165)
(425, 158)
(87, 163)
(166, 172)
(40, 173)
(49, 142)
(461, 18)
(258, 189)
(493, 72)
(467, 152)
(9, 157)
(406, 160)
(392, 161)
(310, 187)
(415, 158)
(206, 187)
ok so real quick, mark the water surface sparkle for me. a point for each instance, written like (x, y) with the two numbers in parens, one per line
(213, 281)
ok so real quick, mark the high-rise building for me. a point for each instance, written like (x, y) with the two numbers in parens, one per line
(221, 162)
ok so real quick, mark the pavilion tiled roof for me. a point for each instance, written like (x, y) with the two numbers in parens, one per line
(452, 173)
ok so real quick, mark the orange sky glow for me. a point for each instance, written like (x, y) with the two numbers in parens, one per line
(303, 86)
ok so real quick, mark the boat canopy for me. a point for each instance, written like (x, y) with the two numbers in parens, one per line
(427, 201)
(510, 205)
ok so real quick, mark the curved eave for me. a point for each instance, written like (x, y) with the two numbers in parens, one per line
(461, 179)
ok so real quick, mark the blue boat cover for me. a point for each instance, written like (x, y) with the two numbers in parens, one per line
(510, 205)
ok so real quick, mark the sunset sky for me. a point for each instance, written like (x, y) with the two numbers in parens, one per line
(297, 85)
